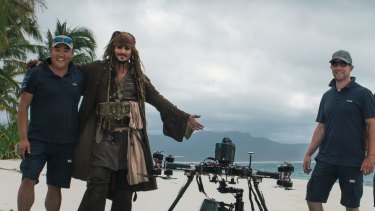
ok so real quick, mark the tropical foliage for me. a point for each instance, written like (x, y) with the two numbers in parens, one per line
(17, 23)
(8, 140)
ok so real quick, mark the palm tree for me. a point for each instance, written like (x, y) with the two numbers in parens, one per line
(17, 21)
(83, 40)
(19, 18)
(9, 89)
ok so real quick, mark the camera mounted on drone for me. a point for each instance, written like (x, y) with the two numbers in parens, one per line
(223, 165)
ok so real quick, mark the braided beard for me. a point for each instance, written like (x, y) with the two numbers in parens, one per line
(121, 62)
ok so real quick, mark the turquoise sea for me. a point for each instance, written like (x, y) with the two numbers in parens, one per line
(298, 171)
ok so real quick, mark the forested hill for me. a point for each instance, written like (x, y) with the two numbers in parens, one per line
(202, 145)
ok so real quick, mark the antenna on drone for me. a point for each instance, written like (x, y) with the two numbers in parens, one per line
(250, 154)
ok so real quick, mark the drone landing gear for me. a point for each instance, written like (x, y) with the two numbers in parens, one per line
(258, 196)
(181, 193)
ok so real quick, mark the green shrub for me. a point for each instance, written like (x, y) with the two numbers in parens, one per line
(9, 138)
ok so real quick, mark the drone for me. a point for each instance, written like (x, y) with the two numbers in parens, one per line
(222, 165)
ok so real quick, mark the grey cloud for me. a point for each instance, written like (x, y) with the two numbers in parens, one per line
(254, 66)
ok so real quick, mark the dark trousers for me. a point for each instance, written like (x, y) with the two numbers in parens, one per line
(98, 189)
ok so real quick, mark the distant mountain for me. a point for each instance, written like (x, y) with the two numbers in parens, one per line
(202, 145)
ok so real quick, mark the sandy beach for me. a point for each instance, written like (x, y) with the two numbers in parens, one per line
(277, 199)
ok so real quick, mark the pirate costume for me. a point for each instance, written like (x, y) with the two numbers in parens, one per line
(114, 155)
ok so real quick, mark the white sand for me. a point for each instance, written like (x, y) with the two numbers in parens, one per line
(277, 199)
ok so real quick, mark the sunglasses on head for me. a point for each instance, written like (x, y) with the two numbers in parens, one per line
(341, 63)
(66, 40)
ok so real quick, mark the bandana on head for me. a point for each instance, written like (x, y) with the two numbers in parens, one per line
(124, 39)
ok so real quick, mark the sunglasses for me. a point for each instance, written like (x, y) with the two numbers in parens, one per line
(341, 63)
(66, 40)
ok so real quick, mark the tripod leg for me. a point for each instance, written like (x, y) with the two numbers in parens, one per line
(250, 195)
(255, 184)
(182, 191)
(239, 206)
(260, 195)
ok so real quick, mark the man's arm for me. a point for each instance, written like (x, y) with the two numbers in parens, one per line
(365, 141)
(22, 117)
(368, 163)
(315, 142)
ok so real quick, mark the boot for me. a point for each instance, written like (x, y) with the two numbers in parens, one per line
(94, 198)
(122, 200)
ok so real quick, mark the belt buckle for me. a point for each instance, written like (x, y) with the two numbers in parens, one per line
(119, 110)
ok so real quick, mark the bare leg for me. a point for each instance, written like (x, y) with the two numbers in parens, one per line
(315, 206)
(53, 198)
(26, 195)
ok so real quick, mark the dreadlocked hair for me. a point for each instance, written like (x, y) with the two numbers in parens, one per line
(136, 69)
(109, 49)
(135, 61)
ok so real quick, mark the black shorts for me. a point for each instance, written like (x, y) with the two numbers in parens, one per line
(324, 177)
(59, 159)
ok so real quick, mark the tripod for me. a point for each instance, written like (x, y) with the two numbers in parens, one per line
(258, 196)
(182, 191)
(239, 204)
(254, 177)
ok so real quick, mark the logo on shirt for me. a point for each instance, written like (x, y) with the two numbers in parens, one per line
(349, 101)
(74, 84)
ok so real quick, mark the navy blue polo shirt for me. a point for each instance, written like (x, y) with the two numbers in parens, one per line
(343, 113)
(54, 107)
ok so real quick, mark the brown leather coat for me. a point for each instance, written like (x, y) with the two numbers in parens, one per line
(174, 120)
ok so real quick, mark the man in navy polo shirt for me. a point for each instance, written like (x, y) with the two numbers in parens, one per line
(52, 92)
(346, 110)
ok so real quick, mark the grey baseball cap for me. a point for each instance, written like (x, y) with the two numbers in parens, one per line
(341, 55)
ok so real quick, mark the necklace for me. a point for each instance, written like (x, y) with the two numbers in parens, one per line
(121, 72)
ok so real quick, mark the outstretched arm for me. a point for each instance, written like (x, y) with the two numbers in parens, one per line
(176, 123)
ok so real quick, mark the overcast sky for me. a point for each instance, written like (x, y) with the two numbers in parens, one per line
(258, 67)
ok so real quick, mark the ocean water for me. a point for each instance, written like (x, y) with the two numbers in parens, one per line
(298, 170)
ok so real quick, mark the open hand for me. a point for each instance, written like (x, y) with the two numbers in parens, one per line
(194, 124)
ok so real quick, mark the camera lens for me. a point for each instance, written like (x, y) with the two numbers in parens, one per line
(285, 168)
(157, 156)
(170, 158)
